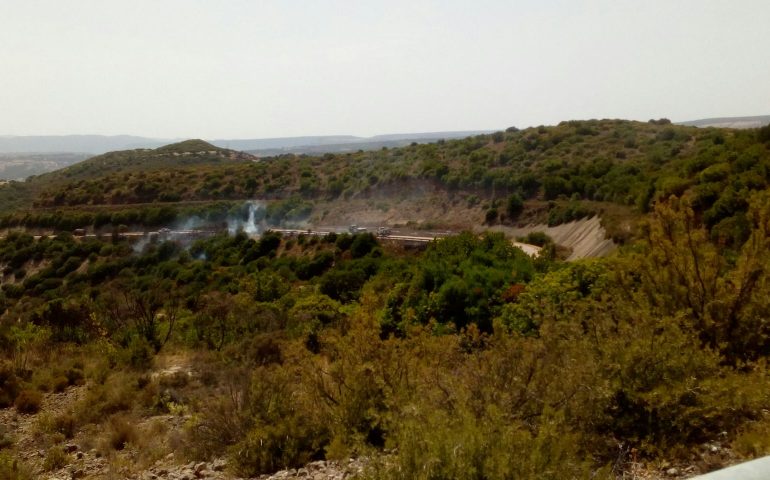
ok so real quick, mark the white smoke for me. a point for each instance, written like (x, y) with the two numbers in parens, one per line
(251, 226)
(190, 223)
(140, 244)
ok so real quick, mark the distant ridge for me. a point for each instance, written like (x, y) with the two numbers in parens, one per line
(93, 144)
(367, 143)
(337, 143)
(98, 144)
(730, 122)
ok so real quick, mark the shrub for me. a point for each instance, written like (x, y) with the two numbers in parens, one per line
(11, 468)
(536, 238)
(514, 206)
(343, 241)
(9, 386)
(362, 244)
(28, 401)
(113, 396)
(138, 354)
(60, 384)
(55, 459)
(435, 445)
(291, 443)
(5, 439)
(74, 376)
(121, 432)
(491, 216)
(65, 424)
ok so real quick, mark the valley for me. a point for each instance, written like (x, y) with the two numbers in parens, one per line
(585, 299)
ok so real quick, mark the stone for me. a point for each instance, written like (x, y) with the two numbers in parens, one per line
(672, 472)
(219, 465)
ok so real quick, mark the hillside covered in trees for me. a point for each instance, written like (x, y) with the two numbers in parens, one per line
(560, 173)
(466, 360)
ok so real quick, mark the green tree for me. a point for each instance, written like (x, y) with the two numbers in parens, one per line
(514, 206)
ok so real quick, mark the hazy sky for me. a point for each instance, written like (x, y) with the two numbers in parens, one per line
(238, 68)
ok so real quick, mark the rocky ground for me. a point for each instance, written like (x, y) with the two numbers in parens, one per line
(154, 456)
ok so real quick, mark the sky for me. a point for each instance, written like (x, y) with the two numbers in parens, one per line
(260, 68)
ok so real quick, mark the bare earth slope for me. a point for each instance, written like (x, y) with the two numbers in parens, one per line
(586, 238)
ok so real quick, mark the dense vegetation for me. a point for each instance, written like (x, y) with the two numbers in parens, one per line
(468, 360)
(576, 163)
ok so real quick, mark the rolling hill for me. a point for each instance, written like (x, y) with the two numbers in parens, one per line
(576, 169)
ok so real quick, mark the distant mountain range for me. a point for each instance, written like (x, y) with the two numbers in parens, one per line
(730, 122)
(98, 144)
(93, 144)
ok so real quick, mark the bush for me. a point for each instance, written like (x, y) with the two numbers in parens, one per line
(9, 386)
(138, 354)
(60, 384)
(64, 424)
(490, 217)
(114, 396)
(434, 445)
(343, 241)
(514, 206)
(290, 443)
(121, 432)
(536, 238)
(11, 468)
(28, 401)
(55, 459)
(362, 244)
(75, 376)
(6, 441)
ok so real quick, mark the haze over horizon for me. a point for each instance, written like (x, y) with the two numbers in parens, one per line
(240, 69)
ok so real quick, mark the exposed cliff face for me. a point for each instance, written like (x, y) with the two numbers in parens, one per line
(587, 238)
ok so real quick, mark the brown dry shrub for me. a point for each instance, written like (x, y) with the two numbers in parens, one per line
(102, 400)
(65, 424)
(75, 376)
(62, 425)
(9, 385)
(28, 401)
(60, 384)
(121, 432)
